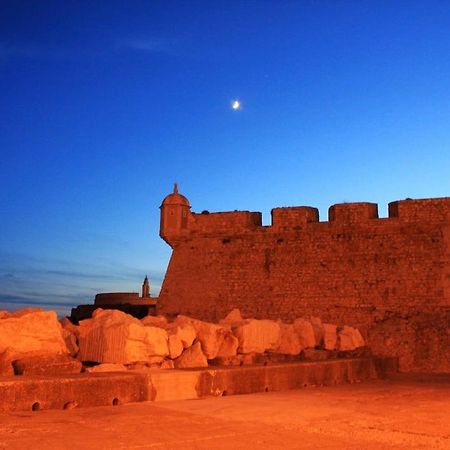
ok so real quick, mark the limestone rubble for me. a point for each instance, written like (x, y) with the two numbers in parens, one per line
(34, 342)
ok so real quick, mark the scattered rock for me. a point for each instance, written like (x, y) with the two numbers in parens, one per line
(210, 335)
(6, 367)
(69, 326)
(192, 357)
(349, 338)
(30, 331)
(257, 336)
(305, 332)
(290, 343)
(106, 368)
(175, 346)
(155, 321)
(229, 346)
(185, 331)
(318, 330)
(157, 341)
(233, 317)
(71, 342)
(112, 336)
(167, 364)
(24, 311)
(46, 365)
(330, 336)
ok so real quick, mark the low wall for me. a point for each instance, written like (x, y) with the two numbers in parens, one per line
(103, 389)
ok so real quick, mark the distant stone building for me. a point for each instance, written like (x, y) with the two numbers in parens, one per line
(390, 277)
(128, 302)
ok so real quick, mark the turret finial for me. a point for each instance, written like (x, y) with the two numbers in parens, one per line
(175, 188)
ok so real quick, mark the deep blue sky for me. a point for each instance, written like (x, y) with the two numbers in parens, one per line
(103, 105)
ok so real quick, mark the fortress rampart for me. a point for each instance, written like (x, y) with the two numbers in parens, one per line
(388, 276)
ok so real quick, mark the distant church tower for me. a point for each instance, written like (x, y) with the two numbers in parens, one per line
(145, 288)
(175, 210)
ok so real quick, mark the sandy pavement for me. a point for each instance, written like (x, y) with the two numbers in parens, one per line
(405, 413)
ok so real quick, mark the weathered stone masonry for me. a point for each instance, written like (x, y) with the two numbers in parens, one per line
(389, 277)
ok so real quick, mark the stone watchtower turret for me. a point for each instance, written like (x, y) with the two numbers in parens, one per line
(175, 211)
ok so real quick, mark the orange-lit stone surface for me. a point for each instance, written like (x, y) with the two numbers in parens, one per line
(388, 277)
(401, 414)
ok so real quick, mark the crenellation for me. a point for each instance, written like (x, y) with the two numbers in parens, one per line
(426, 210)
(355, 269)
(293, 217)
(224, 222)
(352, 212)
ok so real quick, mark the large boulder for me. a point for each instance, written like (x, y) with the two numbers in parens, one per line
(229, 346)
(155, 321)
(184, 330)
(257, 336)
(191, 358)
(305, 332)
(349, 338)
(112, 336)
(210, 335)
(290, 343)
(31, 331)
(175, 346)
(233, 317)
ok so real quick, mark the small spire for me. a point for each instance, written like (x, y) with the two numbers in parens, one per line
(175, 188)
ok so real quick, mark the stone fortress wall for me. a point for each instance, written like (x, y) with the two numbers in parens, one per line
(390, 277)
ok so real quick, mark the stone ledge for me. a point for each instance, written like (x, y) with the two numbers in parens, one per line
(102, 389)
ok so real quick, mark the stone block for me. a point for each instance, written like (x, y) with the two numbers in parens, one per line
(233, 317)
(229, 346)
(57, 364)
(155, 321)
(175, 346)
(183, 328)
(210, 335)
(290, 343)
(112, 336)
(257, 336)
(305, 331)
(192, 357)
(32, 331)
(349, 338)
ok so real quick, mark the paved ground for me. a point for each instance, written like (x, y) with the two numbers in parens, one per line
(406, 413)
